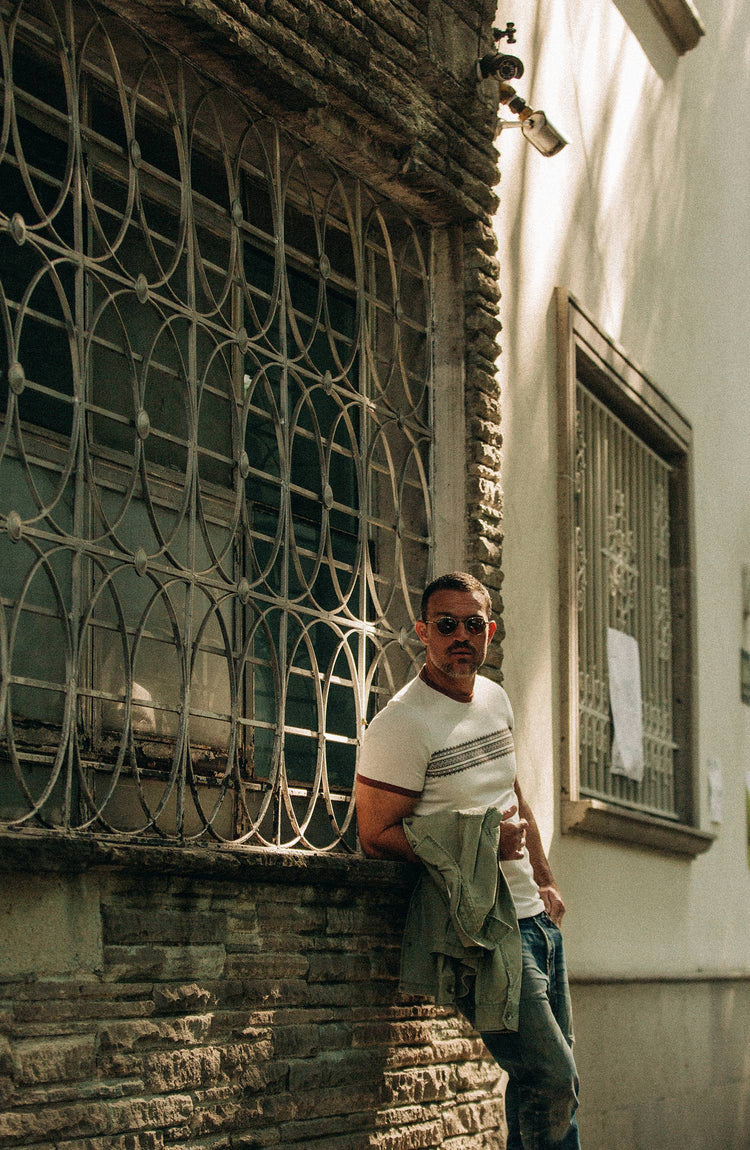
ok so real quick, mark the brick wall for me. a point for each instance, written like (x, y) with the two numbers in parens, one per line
(222, 1001)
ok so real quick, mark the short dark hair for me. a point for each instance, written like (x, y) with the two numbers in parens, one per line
(455, 581)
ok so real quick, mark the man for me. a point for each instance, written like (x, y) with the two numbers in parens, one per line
(444, 743)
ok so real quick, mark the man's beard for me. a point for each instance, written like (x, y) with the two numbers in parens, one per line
(462, 670)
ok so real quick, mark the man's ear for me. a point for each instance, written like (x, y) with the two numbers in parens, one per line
(421, 628)
(491, 628)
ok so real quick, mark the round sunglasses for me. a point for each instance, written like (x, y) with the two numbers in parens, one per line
(446, 624)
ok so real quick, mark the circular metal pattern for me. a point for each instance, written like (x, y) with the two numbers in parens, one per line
(18, 228)
(142, 424)
(141, 288)
(236, 454)
(15, 526)
(16, 378)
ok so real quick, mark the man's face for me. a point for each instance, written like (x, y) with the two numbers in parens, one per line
(459, 655)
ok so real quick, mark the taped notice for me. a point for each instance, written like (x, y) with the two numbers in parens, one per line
(624, 664)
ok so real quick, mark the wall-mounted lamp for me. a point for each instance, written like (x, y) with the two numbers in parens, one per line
(535, 126)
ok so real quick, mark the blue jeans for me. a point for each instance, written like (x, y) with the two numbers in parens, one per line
(542, 1093)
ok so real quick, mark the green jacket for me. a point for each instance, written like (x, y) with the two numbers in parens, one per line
(461, 924)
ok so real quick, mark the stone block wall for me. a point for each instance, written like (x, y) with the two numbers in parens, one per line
(222, 1001)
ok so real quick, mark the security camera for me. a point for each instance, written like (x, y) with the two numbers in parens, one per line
(538, 131)
(498, 64)
(545, 138)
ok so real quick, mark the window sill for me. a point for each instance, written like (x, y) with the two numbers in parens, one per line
(607, 821)
(681, 21)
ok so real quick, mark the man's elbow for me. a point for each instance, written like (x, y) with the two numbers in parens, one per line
(370, 845)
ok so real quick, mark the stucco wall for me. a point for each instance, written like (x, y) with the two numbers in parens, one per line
(644, 218)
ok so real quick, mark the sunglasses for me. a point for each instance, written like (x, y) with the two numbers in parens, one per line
(446, 624)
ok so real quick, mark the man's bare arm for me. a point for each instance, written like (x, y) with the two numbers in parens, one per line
(380, 815)
(543, 876)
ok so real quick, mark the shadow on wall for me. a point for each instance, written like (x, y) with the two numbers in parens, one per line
(634, 206)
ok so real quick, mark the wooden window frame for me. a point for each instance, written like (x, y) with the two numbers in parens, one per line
(585, 351)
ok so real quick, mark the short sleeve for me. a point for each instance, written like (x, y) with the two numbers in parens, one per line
(395, 750)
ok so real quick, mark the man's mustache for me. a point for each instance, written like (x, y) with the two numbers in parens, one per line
(460, 649)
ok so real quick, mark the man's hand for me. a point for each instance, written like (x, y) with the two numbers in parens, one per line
(512, 836)
(553, 903)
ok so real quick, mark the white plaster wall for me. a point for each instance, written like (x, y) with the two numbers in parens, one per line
(645, 217)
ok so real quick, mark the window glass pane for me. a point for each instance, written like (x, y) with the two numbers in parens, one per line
(39, 645)
(38, 286)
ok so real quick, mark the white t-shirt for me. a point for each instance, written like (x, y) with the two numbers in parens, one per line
(454, 756)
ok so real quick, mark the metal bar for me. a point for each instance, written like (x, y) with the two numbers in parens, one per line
(622, 517)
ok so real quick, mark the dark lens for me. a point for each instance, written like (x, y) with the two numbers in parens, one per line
(475, 624)
(446, 625)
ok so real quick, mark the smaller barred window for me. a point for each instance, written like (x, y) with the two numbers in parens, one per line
(627, 597)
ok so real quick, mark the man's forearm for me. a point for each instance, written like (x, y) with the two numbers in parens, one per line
(543, 876)
(539, 862)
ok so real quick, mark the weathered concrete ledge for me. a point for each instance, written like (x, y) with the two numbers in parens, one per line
(51, 851)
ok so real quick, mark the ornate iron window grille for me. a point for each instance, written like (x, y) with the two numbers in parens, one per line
(215, 449)
(623, 576)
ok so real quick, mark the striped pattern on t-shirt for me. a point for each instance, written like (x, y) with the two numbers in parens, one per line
(472, 754)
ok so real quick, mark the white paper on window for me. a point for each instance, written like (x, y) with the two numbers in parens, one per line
(624, 663)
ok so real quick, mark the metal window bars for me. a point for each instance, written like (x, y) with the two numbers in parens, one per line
(215, 446)
(623, 576)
